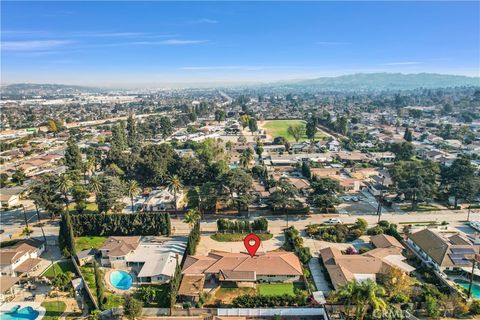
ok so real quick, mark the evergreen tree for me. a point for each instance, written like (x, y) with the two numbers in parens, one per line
(73, 157)
(132, 136)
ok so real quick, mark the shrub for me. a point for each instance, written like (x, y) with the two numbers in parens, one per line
(384, 224)
(355, 234)
(375, 231)
(363, 250)
(475, 307)
(350, 250)
(304, 254)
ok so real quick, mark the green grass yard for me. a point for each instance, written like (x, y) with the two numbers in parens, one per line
(54, 309)
(275, 289)
(82, 243)
(279, 128)
(63, 266)
(113, 300)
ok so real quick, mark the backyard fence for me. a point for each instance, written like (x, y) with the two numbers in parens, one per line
(85, 284)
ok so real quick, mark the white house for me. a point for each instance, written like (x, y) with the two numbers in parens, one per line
(22, 258)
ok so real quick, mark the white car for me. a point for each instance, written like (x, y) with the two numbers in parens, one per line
(475, 225)
(333, 221)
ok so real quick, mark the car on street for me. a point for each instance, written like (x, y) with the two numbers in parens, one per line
(333, 221)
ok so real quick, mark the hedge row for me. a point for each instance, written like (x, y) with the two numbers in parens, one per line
(118, 224)
(242, 226)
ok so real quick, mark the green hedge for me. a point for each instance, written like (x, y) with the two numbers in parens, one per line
(118, 224)
(242, 226)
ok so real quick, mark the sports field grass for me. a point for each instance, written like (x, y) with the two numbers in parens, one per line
(279, 128)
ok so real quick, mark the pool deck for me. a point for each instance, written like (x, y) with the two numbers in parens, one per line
(6, 307)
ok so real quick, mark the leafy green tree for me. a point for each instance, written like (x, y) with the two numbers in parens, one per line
(403, 150)
(219, 115)
(460, 180)
(19, 177)
(323, 201)
(166, 127)
(147, 294)
(80, 195)
(44, 194)
(296, 131)
(111, 190)
(132, 135)
(311, 129)
(431, 305)
(119, 139)
(244, 120)
(73, 156)
(252, 125)
(326, 186)
(235, 185)
(152, 169)
(416, 180)
(408, 136)
(284, 196)
(3, 180)
(341, 125)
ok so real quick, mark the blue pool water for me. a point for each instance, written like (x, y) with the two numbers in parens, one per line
(19, 313)
(465, 284)
(121, 280)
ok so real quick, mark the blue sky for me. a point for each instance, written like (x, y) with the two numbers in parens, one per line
(128, 43)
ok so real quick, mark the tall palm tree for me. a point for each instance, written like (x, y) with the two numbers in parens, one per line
(88, 168)
(369, 293)
(95, 185)
(175, 185)
(133, 189)
(345, 294)
(64, 185)
(191, 217)
(246, 157)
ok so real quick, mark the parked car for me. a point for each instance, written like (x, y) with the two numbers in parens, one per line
(333, 221)
(355, 199)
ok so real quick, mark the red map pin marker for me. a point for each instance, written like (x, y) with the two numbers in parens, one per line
(252, 243)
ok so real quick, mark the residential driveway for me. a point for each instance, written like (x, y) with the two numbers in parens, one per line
(207, 244)
(318, 276)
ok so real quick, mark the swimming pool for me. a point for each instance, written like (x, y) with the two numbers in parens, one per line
(121, 280)
(19, 313)
(465, 284)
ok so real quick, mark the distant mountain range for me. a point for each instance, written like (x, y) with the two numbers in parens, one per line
(353, 82)
(385, 81)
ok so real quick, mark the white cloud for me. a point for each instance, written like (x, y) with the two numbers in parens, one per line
(33, 45)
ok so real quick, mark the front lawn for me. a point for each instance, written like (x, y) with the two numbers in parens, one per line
(275, 289)
(420, 208)
(82, 243)
(229, 237)
(63, 266)
(54, 309)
